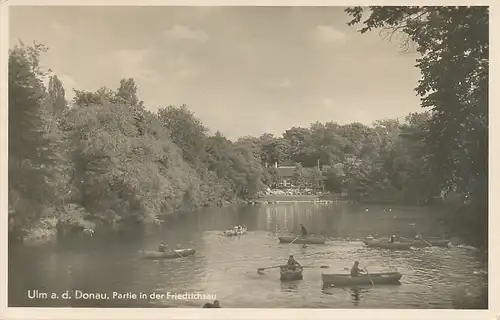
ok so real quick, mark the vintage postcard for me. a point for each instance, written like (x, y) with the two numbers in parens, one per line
(270, 161)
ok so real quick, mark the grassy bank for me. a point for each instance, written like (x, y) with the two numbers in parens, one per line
(272, 198)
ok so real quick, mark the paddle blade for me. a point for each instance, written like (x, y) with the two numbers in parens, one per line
(260, 269)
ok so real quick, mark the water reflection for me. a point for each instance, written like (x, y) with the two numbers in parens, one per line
(356, 295)
(289, 286)
(226, 266)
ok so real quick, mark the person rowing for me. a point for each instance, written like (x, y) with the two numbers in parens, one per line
(162, 247)
(292, 263)
(303, 230)
(392, 238)
(355, 270)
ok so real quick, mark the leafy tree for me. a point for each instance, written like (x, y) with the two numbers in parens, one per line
(454, 46)
(238, 164)
(298, 139)
(56, 99)
(299, 176)
(270, 177)
(127, 92)
(30, 156)
(333, 181)
(317, 178)
(247, 163)
(186, 131)
(120, 174)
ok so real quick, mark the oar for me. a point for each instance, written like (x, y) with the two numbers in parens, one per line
(294, 240)
(347, 269)
(180, 255)
(262, 269)
(373, 284)
(430, 245)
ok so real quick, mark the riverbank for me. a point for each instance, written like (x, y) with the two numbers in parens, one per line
(287, 198)
(70, 222)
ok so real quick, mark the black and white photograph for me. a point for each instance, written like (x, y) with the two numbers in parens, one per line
(247, 157)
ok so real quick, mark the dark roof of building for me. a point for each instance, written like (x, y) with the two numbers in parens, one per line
(287, 163)
(287, 172)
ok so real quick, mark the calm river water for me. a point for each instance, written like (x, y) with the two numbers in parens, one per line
(226, 266)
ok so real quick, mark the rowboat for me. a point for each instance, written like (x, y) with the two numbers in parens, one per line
(287, 274)
(301, 239)
(340, 280)
(421, 243)
(231, 233)
(388, 245)
(179, 253)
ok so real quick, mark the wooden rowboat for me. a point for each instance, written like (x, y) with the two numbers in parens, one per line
(287, 274)
(388, 245)
(342, 280)
(231, 233)
(156, 255)
(301, 240)
(419, 243)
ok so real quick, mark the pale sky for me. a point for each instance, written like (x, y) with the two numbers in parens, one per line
(241, 70)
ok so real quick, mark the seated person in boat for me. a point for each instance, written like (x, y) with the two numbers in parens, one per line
(292, 263)
(303, 230)
(212, 305)
(355, 270)
(392, 238)
(162, 247)
(419, 236)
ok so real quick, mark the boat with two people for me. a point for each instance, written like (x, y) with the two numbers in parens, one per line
(164, 252)
(392, 243)
(420, 242)
(236, 231)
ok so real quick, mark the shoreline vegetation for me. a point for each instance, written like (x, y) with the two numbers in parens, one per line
(103, 160)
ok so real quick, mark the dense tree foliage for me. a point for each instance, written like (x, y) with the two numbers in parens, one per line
(33, 153)
(108, 160)
(105, 159)
(453, 43)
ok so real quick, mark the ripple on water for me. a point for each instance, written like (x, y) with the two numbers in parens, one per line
(226, 266)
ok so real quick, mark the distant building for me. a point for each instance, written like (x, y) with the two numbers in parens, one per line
(286, 172)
